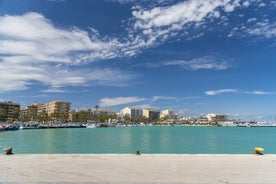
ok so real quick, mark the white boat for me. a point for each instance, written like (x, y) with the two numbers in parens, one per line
(91, 126)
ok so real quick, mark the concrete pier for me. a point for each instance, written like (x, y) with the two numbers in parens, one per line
(144, 168)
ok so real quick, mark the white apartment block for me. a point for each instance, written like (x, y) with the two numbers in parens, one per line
(132, 112)
(216, 117)
(167, 114)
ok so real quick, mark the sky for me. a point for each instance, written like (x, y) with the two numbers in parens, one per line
(190, 56)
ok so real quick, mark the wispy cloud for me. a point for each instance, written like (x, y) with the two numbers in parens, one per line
(165, 21)
(256, 28)
(264, 28)
(109, 102)
(155, 98)
(54, 90)
(38, 40)
(202, 63)
(55, 57)
(146, 106)
(199, 63)
(220, 91)
(262, 93)
(40, 45)
(216, 92)
(261, 27)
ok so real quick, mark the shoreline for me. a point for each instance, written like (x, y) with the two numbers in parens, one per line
(144, 168)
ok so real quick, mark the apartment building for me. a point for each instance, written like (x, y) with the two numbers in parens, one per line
(216, 117)
(167, 114)
(152, 114)
(30, 112)
(9, 111)
(55, 110)
(56, 107)
(132, 112)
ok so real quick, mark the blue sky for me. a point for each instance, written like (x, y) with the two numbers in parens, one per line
(191, 56)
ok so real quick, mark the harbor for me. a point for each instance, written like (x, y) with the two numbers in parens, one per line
(36, 125)
(147, 139)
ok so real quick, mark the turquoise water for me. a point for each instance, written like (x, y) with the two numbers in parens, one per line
(184, 140)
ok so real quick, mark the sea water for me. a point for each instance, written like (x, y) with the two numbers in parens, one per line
(159, 140)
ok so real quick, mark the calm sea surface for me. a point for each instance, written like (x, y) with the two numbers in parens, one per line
(185, 140)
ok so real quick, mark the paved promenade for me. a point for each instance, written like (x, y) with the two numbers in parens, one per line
(145, 168)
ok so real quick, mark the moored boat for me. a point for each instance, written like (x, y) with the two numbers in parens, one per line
(27, 126)
(11, 127)
(91, 125)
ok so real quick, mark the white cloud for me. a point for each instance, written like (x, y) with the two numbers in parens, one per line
(261, 93)
(202, 63)
(253, 27)
(262, 5)
(33, 50)
(20, 76)
(252, 20)
(153, 26)
(146, 106)
(175, 17)
(229, 8)
(264, 28)
(216, 92)
(246, 3)
(181, 13)
(155, 98)
(108, 102)
(54, 90)
(34, 46)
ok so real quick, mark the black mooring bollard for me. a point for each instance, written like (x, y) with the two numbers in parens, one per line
(8, 151)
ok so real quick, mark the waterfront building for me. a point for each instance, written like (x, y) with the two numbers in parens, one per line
(132, 112)
(152, 114)
(9, 111)
(201, 120)
(30, 113)
(168, 114)
(216, 117)
(57, 110)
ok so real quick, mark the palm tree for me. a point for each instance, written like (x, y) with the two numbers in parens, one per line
(43, 116)
(89, 114)
(3, 114)
(96, 107)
